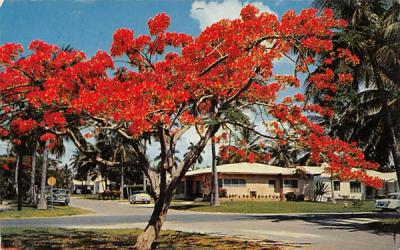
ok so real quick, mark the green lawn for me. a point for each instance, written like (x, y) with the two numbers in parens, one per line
(276, 207)
(57, 238)
(27, 212)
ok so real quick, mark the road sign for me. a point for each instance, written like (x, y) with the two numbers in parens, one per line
(51, 181)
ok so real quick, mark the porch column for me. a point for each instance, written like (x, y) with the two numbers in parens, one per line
(281, 187)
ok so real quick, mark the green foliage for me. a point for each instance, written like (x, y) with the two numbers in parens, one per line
(276, 207)
(321, 188)
(372, 34)
(27, 212)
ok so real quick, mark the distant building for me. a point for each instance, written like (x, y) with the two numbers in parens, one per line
(261, 181)
(95, 186)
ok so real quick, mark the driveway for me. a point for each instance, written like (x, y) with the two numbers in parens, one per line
(306, 231)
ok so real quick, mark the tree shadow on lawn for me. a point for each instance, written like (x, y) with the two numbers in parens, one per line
(58, 238)
(349, 222)
(188, 206)
(64, 238)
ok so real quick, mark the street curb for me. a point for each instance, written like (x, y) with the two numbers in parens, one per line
(299, 215)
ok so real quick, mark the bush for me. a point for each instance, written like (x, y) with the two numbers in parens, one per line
(292, 196)
(223, 193)
(110, 195)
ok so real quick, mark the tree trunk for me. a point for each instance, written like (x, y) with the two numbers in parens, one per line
(332, 191)
(121, 189)
(33, 175)
(16, 186)
(18, 181)
(144, 184)
(215, 194)
(153, 228)
(42, 201)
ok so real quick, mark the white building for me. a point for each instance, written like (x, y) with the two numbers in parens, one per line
(254, 180)
(357, 190)
(95, 186)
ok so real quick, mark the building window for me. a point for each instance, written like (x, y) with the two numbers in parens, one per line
(271, 183)
(220, 183)
(199, 187)
(336, 185)
(355, 187)
(234, 182)
(180, 188)
(290, 183)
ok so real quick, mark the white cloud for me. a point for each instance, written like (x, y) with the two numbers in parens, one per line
(209, 12)
(1, 3)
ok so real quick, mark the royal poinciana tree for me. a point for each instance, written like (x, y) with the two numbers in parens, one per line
(172, 83)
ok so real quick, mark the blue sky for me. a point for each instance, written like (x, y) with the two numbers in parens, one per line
(88, 25)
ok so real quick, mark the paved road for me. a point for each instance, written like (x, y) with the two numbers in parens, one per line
(309, 232)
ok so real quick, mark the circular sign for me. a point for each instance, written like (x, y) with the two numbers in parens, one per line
(51, 181)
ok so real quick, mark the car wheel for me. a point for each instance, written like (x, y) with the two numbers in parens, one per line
(66, 203)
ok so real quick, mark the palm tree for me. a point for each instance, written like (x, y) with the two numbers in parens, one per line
(283, 155)
(33, 176)
(83, 166)
(42, 205)
(199, 159)
(114, 147)
(373, 35)
(58, 150)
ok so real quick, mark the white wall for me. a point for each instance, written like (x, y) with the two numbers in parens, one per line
(344, 192)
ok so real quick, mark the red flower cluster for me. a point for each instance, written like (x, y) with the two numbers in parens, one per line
(47, 137)
(228, 152)
(5, 167)
(4, 132)
(348, 56)
(9, 52)
(122, 40)
(345, 78)
(22, 127)
(54, 119)
(158, 24)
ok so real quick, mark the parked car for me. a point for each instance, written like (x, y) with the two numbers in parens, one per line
(139, 197)
(59, 196)
(392, 202)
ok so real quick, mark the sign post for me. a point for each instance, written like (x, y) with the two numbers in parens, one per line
(51, 181)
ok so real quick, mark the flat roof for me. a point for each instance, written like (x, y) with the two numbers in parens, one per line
(254, 168)
(265, 169)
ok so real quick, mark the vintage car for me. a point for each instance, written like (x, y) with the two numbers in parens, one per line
(59, 196)
(392, 202)
(139, 197)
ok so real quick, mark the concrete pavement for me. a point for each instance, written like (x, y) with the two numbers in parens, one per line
(309, 232)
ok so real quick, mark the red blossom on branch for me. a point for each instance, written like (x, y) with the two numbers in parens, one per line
(201, 85)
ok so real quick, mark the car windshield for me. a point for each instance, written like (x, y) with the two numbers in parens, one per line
(138, 192)
(60, 191)
(392, 196)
